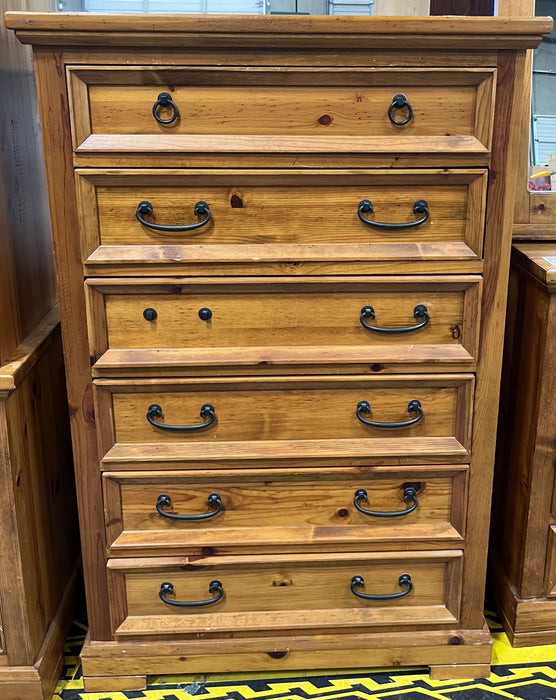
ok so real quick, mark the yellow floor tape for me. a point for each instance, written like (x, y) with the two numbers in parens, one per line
(522, 674)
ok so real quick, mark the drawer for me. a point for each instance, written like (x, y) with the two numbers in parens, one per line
(269, 419)
(244, 509)
(264, 216)
(166, 325)
(283, 592)
(280, 109)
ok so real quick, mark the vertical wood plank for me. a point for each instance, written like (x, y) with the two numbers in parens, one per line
(19, 646)
(510, 119)
(54, 109)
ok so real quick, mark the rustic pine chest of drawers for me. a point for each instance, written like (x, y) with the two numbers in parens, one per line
(283, 301)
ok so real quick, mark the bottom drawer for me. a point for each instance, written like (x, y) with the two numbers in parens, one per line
(181, 595)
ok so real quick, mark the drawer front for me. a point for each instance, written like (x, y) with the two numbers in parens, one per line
(242, 510)
(280, 216)
(167, 324)
(252, 416)
(283, 592)
(321, 109)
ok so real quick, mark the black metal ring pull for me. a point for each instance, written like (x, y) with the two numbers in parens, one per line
(404, 582)
(409, 494)
(399, 101)
(366, 207)
(414, 406)
(207, 411)
(420, 311)
(146, 209)
(214, 499)
(167, 588)
(165, 100)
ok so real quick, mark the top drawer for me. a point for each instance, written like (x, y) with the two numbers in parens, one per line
(281, 109)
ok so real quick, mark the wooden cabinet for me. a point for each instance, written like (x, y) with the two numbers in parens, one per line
(283, 301)
(523, 561)
(39, 542)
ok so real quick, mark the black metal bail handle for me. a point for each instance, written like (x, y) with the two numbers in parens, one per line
(167, 588)
(165, 100)
(214, 499)
(207, 411)
(409, 494)
(404, 582)
(420, 311)
(414, 406)
(399, 101)
(146, 209)
(366, 207)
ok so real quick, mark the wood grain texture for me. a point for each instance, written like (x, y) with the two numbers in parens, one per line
(285, 321)
(41, 463)
(27, 286)
(511, 77)
(104, 684)
(54, 116)
(39, 545)
(284, 102)
(28, 352)
(256, 32)
(277, 509)
(522, 534)
(386, 648)
(456, 671)
(280, 215)
(287, 592)
(284, 410)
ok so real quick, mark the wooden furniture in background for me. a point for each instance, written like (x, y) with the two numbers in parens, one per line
(523, 552)
(535, 212)
(38, 539)
(253, 325)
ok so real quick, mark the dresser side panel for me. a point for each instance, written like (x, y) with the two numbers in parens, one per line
(509, 120)
(54, 110)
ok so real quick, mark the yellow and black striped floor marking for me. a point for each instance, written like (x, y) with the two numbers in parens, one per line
(520, 674)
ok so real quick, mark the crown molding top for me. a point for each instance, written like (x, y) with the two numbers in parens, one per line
(278, 31)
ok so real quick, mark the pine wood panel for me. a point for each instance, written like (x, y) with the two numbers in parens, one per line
(27, 284)
(283, 410)
(265, 56)
(286, 592)
(175, 31)
(525, 451)
(54, 110)
(280, 652)
(103, 684)
(41, 465)
(270, 101)
(290, 321)
(276, 508)
(281, 216)
(39, 546)
(522, 538)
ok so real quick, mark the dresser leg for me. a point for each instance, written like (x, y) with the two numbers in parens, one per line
(107, 684)
(456, 671)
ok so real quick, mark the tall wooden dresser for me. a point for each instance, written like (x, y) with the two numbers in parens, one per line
(283, 300)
